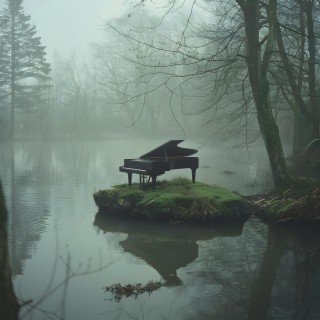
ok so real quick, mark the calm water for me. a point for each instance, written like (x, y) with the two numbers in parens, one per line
(63, 255)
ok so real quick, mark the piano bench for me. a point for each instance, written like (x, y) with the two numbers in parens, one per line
(142, 174)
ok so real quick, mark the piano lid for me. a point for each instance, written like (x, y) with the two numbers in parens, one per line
(169, 149)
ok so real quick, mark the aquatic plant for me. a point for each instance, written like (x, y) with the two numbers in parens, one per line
(201, 210)
(132, 290)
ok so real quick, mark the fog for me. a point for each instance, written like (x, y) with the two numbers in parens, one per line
(70, 26)
(122, 69)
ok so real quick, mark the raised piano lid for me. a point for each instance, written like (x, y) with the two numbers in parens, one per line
(169, 149)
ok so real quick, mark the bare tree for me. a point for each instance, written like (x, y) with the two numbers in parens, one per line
(258, 65)
(296, 66)
(133, 77)
(74, 97)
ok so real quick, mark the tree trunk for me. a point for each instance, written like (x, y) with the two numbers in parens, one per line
(257, 70)
(302, 132)
(309, 109)
(314, 107)
(270, 133)
(12, 80)
(9, 307)
(12, 112)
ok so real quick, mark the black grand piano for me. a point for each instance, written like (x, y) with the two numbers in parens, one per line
(166, 157)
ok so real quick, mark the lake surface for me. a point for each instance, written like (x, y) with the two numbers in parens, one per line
(64, 254)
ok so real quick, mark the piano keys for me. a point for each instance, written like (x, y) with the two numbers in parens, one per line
(156, 162)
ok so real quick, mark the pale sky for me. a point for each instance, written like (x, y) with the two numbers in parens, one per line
(66, 26)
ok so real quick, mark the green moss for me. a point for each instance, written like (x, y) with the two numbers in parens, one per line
(107, 198)
(175, 200)
(117, 197)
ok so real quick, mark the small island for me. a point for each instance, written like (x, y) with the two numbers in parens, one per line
(175, 201)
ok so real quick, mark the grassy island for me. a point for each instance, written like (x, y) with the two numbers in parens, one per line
(178, 200)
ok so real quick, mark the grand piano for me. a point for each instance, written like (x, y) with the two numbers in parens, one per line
(156, 162)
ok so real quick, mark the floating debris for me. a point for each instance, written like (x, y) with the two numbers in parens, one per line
(300, 203)
(132, 290)
(227, 172)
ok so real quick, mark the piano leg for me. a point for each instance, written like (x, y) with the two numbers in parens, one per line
(142, 181)
(193, 175)
(129, 178)
(154, 181)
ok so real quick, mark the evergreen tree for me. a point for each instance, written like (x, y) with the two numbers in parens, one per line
(23, 67)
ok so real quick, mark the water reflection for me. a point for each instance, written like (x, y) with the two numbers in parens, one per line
(166, 248)
(268, 273)
(273, 273)
(38, 175)
(245, 271)
(260, 297)
(27, 205)
(289, 276)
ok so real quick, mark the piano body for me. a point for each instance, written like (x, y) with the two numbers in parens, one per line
(164, 158)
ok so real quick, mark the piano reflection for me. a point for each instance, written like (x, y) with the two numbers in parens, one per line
(159, 160)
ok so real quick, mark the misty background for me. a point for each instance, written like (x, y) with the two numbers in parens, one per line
(104, 80)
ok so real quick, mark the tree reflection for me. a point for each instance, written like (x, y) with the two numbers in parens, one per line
(8, 302)
(28, 208)
(261, 292)
(307, 274)
(288, 282)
